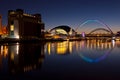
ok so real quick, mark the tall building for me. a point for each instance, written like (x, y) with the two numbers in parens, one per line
(24, 26)
(0, 24)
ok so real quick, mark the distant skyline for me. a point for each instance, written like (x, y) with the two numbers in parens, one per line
(67, 12)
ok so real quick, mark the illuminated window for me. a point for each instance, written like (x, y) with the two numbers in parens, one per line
(12, 27)
(12, 12)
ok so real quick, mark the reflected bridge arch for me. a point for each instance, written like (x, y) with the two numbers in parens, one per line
(103, 54)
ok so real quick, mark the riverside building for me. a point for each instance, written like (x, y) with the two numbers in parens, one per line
(25, 26)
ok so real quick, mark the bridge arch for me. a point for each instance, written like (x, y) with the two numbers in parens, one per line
(97, 29)
(97, 21)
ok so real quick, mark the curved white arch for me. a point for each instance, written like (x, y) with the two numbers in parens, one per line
(98, 21)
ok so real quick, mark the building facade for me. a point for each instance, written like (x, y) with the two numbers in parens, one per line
(24, 26)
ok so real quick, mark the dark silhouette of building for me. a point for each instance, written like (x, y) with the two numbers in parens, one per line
(25, 57)
(118, 33)
(25, 26)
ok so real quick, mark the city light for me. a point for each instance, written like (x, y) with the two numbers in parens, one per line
(62, 48)
(17, 36)
(17, 49)
(49, 49)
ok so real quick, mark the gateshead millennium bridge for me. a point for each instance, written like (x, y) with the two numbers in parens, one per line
(66, 32)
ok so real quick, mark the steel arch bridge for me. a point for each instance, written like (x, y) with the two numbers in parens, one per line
(97, 21)
(103, 29)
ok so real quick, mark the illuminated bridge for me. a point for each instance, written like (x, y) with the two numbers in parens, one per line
(100, 32)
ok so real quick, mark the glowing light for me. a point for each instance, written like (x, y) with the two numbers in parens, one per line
(83, 34)
(61, 31)
(117, 39)
(58, 31)
(4, 51)
(113, 43)
(62, 48)
(17, 49)
(12, 12)
(17, 36)
(56, 36)
(70, 47)
(12, 27)
(67, 39)
(1, 50)
(49, 49)
(12, 56)
(70, 32)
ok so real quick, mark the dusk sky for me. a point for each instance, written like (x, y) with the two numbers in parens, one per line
(67, 12)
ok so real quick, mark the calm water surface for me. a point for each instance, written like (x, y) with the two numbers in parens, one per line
(76, 60)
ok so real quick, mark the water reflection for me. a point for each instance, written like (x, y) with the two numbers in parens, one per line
(21, 58)
(26, 57)
(95, 51)
(90, 50)
(46, 60)
(59, 48)
(118, 44)
(3, 58)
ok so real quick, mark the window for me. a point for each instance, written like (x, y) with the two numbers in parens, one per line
(12, 27)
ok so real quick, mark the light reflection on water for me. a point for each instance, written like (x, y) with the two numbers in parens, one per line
(97, 50)
(73, 59)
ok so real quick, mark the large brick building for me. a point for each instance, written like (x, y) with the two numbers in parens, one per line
(25, 26)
